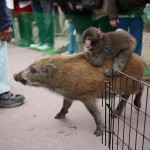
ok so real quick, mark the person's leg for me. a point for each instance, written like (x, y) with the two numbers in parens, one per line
(76, 49)
(27, 29)
(40, 20)
(7, 99)
(49, 21)
(50, 36)
(70, 45)
(72, 39)
(123, 24)
(4, 74)
(136, 29)
(25, 24)
(21, 30)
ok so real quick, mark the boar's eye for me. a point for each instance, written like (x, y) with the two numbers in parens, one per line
(33, 70)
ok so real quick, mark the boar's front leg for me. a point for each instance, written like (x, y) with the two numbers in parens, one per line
(94, 111)
(66, 104)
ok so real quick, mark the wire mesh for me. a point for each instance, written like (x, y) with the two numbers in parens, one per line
(130, 129)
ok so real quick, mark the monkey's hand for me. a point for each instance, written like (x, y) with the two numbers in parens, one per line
(111, 73)
(114, 22)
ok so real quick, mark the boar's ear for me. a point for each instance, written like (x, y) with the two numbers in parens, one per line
(49, 69)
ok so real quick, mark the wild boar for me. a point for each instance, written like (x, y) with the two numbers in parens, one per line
(77, 79)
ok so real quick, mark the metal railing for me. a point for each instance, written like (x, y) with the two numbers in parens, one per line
(131, 129)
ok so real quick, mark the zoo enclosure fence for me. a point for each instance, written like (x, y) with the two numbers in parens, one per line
(131, 130)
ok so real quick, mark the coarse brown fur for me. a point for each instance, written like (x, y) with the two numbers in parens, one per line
(76, 79)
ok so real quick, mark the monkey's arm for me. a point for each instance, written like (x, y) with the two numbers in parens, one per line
(96, 59)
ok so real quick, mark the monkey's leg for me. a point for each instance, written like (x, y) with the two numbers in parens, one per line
(137, 100)
(120, 106)
(66, 105)
(119, 63)
(94, 111)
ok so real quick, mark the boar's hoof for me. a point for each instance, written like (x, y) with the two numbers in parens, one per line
(115, 114)
(137, 103)
(60, 115)
(98, 131)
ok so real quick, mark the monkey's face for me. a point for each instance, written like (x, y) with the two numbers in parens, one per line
(91, 37)
(88, 41)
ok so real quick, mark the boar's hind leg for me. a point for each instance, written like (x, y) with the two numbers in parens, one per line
(94, 111)
(66, 104)
(120, 106)
(137, 100)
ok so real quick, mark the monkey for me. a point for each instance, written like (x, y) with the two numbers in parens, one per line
(117, 45)
(83, 82)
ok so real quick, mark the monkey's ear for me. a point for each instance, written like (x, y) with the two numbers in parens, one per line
(49, 69)
(100, 34)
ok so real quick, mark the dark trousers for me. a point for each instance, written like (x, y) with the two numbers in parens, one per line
(135, 27)
(45, 21)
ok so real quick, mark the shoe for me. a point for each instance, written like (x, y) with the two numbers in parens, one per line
(43, 47)
(26, 43)
(35, 45)
(9, 100)
(66, 53)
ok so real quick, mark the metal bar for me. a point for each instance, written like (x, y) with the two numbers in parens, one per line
(145, 118)
(110, 91)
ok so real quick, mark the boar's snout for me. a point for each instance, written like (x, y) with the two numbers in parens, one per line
(18, 77)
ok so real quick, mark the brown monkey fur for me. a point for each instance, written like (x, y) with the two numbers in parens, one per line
(76, 79)
(117, 45)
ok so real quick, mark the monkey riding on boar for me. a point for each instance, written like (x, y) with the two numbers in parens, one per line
(117, 45)
(73, 77)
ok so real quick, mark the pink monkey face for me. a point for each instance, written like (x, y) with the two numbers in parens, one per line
(87, 42)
